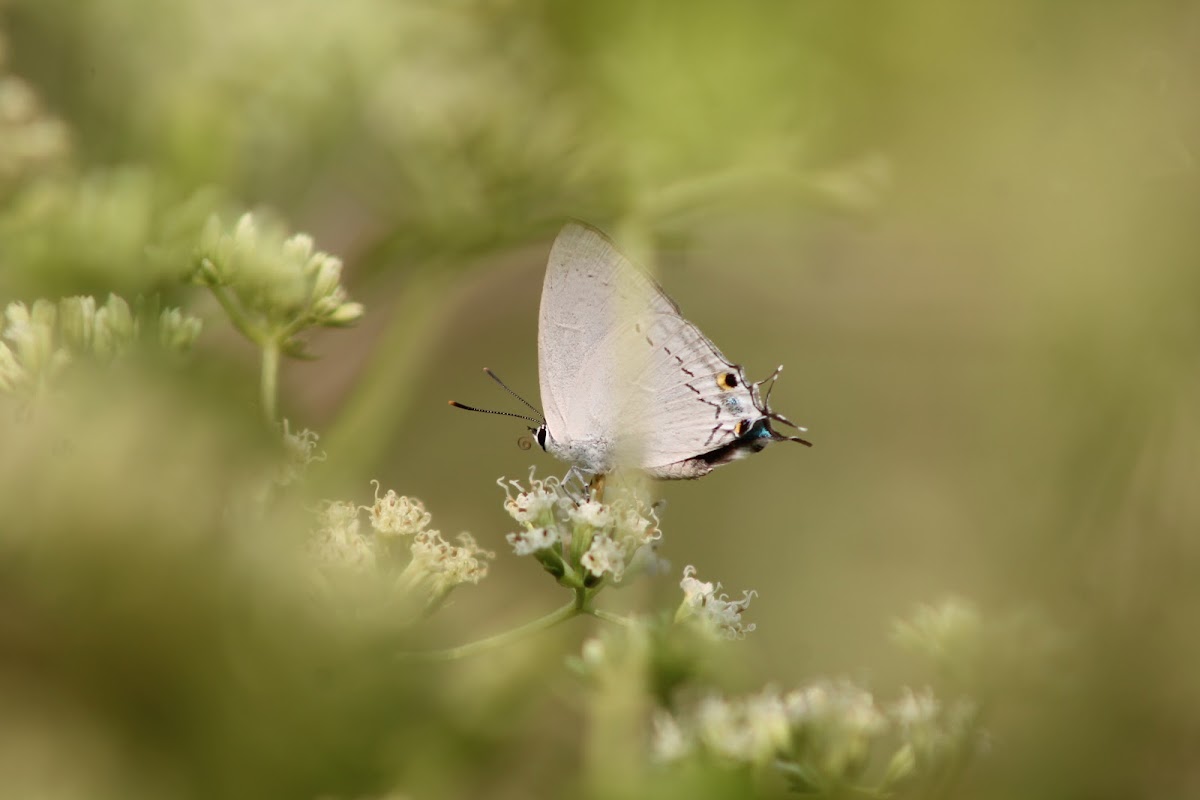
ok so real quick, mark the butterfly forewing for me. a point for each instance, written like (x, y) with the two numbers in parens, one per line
(591, 293)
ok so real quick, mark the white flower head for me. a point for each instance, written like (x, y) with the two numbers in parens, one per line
(591, 513)
(395, 515)
(634, 525)
(604, 555)
(706, 603)
(531, 540)
(439, 566)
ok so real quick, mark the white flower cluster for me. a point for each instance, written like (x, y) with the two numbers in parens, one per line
(282, 284)
(43, 338)
(438, 566)
(820, 735)
(704, 603)
(434, 567)
(394, 515)
(581, 536)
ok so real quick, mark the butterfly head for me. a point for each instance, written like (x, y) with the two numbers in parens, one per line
(539, 434)
(760, 432)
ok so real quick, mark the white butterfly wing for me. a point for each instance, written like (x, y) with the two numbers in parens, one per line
(624, 378)
(591, 292)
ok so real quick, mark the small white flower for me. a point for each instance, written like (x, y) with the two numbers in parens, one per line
(328, 275)
(345, 314)
(604, 555)
(394, 515)
(632, 525)
(533, 506)
(297, 249)
(530, 541)
(591, 513)
(695, 592)
(703, 601)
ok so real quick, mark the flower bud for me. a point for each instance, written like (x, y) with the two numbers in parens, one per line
(345, 314)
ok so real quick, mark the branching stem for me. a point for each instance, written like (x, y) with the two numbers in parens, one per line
(500, 639)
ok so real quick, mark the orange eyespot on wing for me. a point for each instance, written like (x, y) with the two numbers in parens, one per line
(727, 380)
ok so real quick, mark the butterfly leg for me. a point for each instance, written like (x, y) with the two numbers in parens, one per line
(597, 487)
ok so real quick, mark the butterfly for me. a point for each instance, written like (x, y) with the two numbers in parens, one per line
(627, 381)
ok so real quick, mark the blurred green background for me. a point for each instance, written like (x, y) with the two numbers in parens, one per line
(969, 231)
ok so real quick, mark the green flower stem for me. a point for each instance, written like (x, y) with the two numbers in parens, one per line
(230, 306)
(500, 639)
(270, 378)
(608, 616)
(381, 402)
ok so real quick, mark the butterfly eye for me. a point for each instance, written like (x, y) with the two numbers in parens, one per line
(742, 427)
(727, 380)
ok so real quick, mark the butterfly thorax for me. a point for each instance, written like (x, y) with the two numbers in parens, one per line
(595, 455)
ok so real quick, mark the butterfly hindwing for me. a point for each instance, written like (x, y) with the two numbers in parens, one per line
(688, 399)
